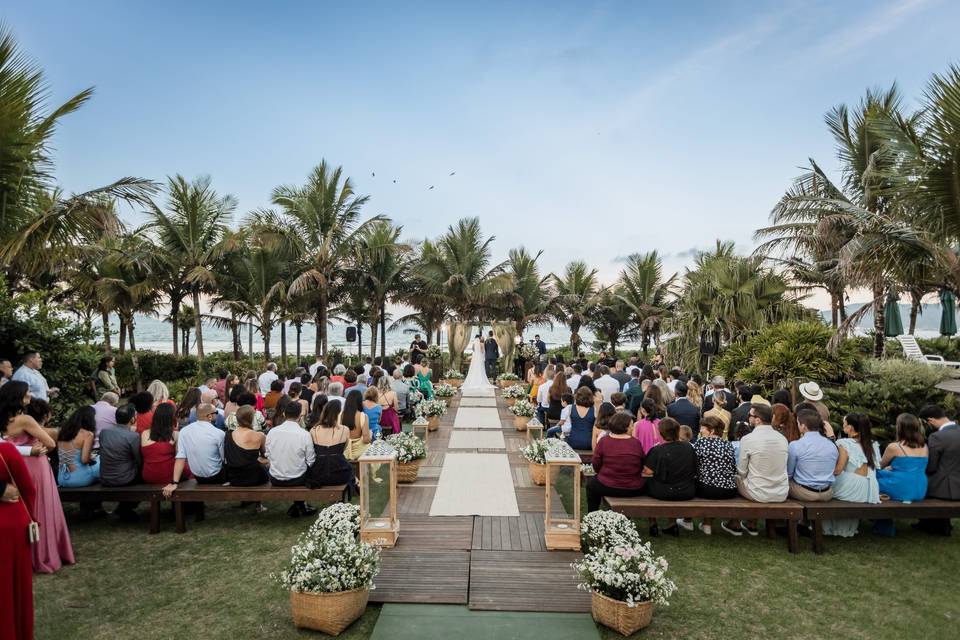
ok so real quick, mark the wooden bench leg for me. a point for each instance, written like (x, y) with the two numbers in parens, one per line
(793, 543)
(201, 512)
(154, 515)
(771, 528)
(818, 536)
(181, 522)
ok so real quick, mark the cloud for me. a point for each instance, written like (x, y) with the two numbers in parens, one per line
(850, 38)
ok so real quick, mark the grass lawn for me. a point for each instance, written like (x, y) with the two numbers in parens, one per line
(214, 582)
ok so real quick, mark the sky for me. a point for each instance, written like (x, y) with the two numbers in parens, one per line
(588, 130)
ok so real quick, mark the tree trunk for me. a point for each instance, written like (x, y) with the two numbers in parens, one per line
(133, 355)
(383, 332)
(265, 332)
(250, 339)
(283, 343)
(185, 335)
(299, 327)
(575, 338)
(322, 323)
(834, 309)
(914, 310)
(105, 318)
(841, 297)
(174, 320)
(879, 340)
(123, 336)
(235, 331)
(198, 326)
(359, 339)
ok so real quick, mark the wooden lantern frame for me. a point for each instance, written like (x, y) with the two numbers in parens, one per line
(422, 424)
(534, 425)
(562, 533)
(379, 530)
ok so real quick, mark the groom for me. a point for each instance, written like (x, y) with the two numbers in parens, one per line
(491, 352)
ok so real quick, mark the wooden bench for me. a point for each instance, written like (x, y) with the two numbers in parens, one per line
(817, 512)
(151, 493)
(735, 508)
(586, 455)
(190, 491)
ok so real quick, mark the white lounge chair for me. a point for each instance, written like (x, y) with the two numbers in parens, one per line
(913, 352)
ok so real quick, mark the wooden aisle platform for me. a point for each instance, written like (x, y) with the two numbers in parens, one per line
(494, 563)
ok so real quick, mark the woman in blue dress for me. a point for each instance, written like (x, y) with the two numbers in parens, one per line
(856, 472)
(582, 419)
(371, 407)
(903, 473)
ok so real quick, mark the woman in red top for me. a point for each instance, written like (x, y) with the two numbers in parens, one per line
(158, 446)
(143, 403)
(618, 461)
(16, 565)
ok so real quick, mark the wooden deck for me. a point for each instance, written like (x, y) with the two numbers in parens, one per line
(488, 563)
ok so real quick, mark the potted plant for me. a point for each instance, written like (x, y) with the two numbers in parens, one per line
(331, 572)
(453, 378)
(535, 454)
(410, 453)
(444, 390)
(514, 393)
(507, 379)
(432, 410)
(529, 352)
(522, 411)
(626, 581)
(605, 529)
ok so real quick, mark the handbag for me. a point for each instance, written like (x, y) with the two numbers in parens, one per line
(33, 529)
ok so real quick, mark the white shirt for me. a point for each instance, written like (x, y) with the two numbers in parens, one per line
(366, 369)
(763, 464)
(607, 385)
(313, 368)
(574, 380)
(672, 385)
(566, 426)
(630, 368)
(264, 381)
(201, 445)
(35, 381)
(289, 450)
(543, 391)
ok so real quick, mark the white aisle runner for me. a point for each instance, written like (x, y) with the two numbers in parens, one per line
(475, 484)
(477, 418)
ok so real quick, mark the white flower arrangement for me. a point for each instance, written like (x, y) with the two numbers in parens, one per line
(443, 390)
(431, 408)
(409, 447)
(529, 351)
(507, 377)
(329, 558)
(606, 529)
(515, 391)
(628, 573)
(433, 352)
(453, 374)
(588, 470)
(523, 408)
(536, 451)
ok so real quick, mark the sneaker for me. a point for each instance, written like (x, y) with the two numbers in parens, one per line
(307, 510)
(685, 523)
(748, 530)
(733, 532)
(259, 508)
(707, 529)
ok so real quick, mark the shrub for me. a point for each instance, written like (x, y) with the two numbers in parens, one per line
(628, 573)
(409, 447)
(523, 408)
(889, 388)
(604, 529)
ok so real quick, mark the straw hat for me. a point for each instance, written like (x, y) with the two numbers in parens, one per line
(758, 399)
(811, 391)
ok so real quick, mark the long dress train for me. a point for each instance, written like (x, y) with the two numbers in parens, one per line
(476, 379)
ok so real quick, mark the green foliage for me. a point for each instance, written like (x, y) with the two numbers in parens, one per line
(777, 355)
(889, 388)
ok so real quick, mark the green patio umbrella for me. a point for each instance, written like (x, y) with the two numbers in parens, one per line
(948, 319)
(892, 324)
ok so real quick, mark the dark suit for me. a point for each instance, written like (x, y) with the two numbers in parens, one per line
(685, 412)
(738, 415)
(541, 347)
(621, 376)
(943, 466)
(491, 351)
(634, 395)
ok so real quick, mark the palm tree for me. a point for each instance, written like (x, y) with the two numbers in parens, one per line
(527, 300)
(324, 216)
(380, 261)
(613, 319)
(577, 294)
(190, 233)
(646, 294)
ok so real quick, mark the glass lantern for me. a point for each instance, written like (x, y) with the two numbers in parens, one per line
(562, 531)
(422, 426)
(534, 429)
(378, 495)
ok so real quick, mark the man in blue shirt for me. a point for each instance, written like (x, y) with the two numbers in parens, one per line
(30, 373)
(811, 461)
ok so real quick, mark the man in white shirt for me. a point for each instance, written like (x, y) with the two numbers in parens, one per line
(574, 380)
(762, 466)
(543, 393)
(267, 377)
(200, 444)
(30, 373)
(289, 449)
(316, 365)
(607, 384)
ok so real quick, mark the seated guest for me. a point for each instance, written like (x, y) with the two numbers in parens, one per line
(618, 461)
(785, 422)
(716, 465)
(401, 389)
(762, 466)
(582, 419)
(604, 413)
(335, 394)
(355, 418)
(903, 468)
(371, 407)
(295, 393)
(243, 452)
(349, 380)
(647, 430)
(718, 410)
(230, 407)
(273, 396)
(246, 399)
(686, 434)
(200, 444)
(619, 401)
(210, 397)
(606, 383)
(543, 389)
(671, 470)
(390, 418)
(330, 440)
(558, 388)
(681, 409)
(290, 453)
(120, 458)
(105, 414)
(943, 465)
(856, 472)
(828, 432)
(811, 460)
(74, 446)
(339, 372)
(158, 447)
(740, 414)
(566, 406)
(143, 403)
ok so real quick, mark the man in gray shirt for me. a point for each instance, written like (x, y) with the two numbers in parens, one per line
(120, 459)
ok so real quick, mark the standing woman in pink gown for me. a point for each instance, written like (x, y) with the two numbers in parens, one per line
(54, 549)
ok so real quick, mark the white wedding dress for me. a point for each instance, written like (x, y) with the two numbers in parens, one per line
(476, 379)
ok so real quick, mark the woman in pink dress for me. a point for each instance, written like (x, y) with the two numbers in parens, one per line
(647, 430)
(54, 548)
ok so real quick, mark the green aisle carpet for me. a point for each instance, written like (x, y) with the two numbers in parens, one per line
(426, 621)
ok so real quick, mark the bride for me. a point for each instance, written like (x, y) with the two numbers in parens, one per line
(476, 376)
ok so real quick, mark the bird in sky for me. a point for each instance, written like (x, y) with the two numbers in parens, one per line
(453, 173)
(431, 188)
(372, 174)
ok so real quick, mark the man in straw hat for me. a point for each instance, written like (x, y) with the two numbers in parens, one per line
(812, 392)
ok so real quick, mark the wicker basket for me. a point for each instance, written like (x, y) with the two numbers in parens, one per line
(538, 473)
(434, 423)
(330, 613)
(407, 471)
(454, 382)
(511, 402)
(623, 619)
(520, 422)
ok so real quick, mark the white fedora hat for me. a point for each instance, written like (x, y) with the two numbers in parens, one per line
(811, 391)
